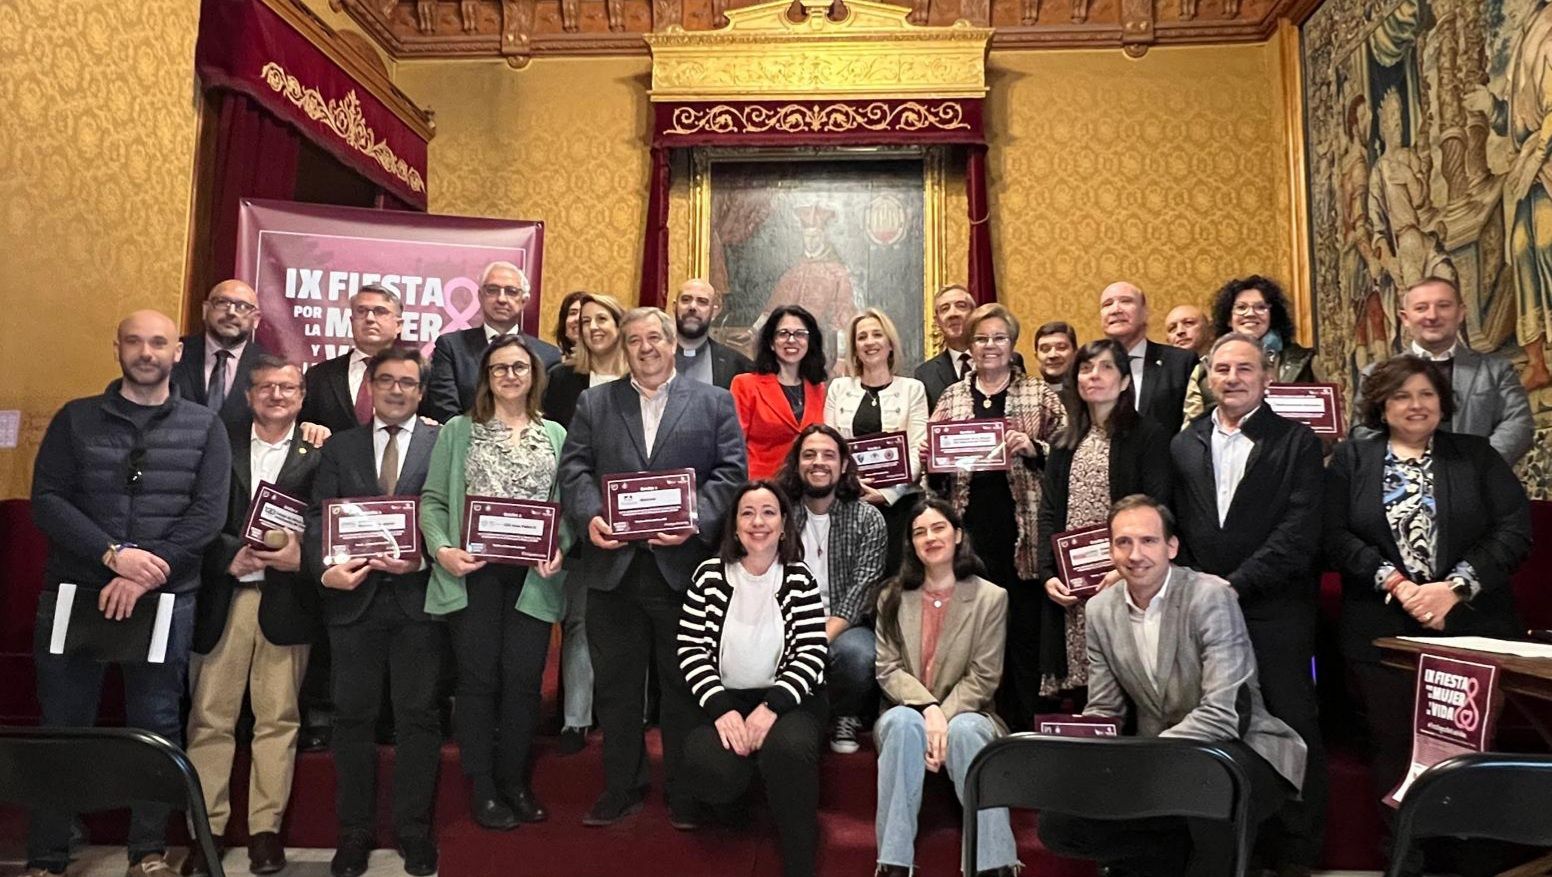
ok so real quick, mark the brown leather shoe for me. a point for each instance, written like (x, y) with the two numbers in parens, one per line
(266, 854)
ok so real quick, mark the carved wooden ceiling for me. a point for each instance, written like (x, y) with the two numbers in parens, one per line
(522, 29)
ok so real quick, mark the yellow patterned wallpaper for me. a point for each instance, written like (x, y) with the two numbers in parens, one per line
(563, 141)
(97, 162)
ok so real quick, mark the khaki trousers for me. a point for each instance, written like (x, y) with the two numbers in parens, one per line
(272, 676)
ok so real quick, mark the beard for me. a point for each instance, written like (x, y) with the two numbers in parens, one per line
(700, 327)
(812, 492)
(135, 373)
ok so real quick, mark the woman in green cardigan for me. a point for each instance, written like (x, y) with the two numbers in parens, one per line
(500, 615)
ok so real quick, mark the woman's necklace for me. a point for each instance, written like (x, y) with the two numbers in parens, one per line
(986, 400)
(937, 597)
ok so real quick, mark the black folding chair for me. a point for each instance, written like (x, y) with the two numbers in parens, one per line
(83, 770)
(1109, 778)
(1494, 796)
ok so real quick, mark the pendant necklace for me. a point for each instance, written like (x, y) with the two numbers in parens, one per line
(938, 598)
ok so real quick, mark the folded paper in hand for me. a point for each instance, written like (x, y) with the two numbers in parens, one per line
(80, 629)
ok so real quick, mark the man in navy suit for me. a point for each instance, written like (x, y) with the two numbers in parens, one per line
(455, 364)
(652, 420)
(375, 612)
(215, 366)
(1160, 373)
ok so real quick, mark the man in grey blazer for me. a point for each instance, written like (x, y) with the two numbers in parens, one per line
(651, 420)
(1168, 645)
(1489, 399)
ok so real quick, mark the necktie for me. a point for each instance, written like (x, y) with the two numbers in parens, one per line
(388, 472)
(964, 365)
(215, 391)
(363, 402)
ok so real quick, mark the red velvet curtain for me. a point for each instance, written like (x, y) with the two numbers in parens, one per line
(654, 250)
(255, 157)
(981, 277)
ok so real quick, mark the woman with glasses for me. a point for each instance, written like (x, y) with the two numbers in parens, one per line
(1255, 306)
(567, 333)
(786, 390)
(597, 359)
(500, 615)
(1000, 507)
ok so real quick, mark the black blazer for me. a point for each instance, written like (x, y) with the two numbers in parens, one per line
(1166, 373)
(455, 367)
(1269, 543)
(328, 401)
(1484, 519)
(561, 390)
(938, 374)
(188, 375)
(726, 364)
(288, 604)
(348, 468)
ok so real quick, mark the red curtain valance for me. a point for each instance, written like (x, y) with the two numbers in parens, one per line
(247, 47)
(818, 122)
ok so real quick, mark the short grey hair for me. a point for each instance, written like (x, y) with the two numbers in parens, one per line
(522, 278)
(379, 289)
(636, 315)
(1266, 356)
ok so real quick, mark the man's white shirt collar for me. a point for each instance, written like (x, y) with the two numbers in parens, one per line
(1446, 356)
(406, 428)
(1157, 603)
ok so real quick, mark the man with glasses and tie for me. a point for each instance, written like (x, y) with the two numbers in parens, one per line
(375, 612)
(455, 364)
(1160, 373)
(216, 362)
(129, 487)
(338, 397)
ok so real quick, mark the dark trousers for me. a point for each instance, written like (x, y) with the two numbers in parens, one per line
(70, 690)
(788, 764)
(638, 618)
(1168, 846)
(1018, 696)
(385, 639)
(1284, 646)
(500, 653)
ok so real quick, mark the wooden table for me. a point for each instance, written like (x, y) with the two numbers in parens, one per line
(1523, 681)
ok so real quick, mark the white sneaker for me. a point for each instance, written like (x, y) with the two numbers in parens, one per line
(843, 735)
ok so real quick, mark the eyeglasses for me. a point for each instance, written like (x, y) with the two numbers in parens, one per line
(1245, 310)
(388, 382)
(515, 369)
(233, 305)
(134, 473)
(791, 334)
(379, 312)
(494, 291)
(991, 340)
(284, 391)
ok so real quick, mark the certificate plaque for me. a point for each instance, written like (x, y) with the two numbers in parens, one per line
(512, 531)
(640, 505)
(883, 459)
(371, 527)
(967, 446)
(1065, 725)
(1083, 558)
(1317, 406)
(272, 510)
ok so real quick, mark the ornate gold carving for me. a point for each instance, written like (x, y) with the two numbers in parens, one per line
(343, 118)
(828, 118)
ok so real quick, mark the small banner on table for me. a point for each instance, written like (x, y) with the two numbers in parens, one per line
(1454, 714)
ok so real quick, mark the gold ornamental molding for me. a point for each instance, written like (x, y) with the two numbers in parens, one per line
(827, 118)
(344, 118)
(871, 51)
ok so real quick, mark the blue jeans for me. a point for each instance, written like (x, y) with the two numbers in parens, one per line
(849, 671)
(69, 690)
(901, 738)
(576, 663)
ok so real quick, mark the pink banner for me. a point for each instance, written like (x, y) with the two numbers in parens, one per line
(306, 260)
(1454, 714)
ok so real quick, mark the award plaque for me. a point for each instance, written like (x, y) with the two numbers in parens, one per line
(371, 527)
(1455, 713)
(967, 446)
(272, 512)
(640, 505)
(883, 460)
(1083, 558)
(1065, 725)
(512, 531)
(1317, 406)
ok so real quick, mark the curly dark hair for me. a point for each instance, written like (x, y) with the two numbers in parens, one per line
(847, 488)
(1386, 380)
(812, 368)
(1223, 305)
(789, 551)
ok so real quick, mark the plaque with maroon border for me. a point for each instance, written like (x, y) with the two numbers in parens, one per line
(371, 526)
(512, 531)
(1454, 714)
(967, 446)
(640, 505)
(1068, 725)
(272, 509)
(1083, 558)
(1317, 406)
(883, 459)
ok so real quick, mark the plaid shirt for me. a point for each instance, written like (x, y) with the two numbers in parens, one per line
(857, 537)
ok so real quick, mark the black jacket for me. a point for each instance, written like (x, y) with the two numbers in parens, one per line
(726, 364)
(348, 468)
(188, 375)
(288, 604)
(1484, 519)
(455, 366)
(328, 401)
(561, 391)
(1269, 543)
(99, 479)
(1166, 374)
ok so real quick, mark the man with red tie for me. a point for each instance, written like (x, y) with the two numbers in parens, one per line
(337, 392)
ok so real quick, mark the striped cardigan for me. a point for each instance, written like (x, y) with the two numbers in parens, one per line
(800, 671)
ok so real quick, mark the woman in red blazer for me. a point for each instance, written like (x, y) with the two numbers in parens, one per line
(786, 390)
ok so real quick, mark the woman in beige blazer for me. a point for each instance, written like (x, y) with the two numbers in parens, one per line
(941, 630)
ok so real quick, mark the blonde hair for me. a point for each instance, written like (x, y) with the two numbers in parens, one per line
(993, 311)
(582, 359)
(892, 336)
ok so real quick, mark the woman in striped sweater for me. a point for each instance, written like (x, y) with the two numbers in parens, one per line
(752, 646)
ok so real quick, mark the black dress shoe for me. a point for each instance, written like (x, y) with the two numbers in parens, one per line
(266, 854)
(314, 739)
(526, 806)
(420, 855)
(684, 815)
(1005, 871)
(492, 813)
(892, 871)
(572, 740)
(611, 808)
(350, 858)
